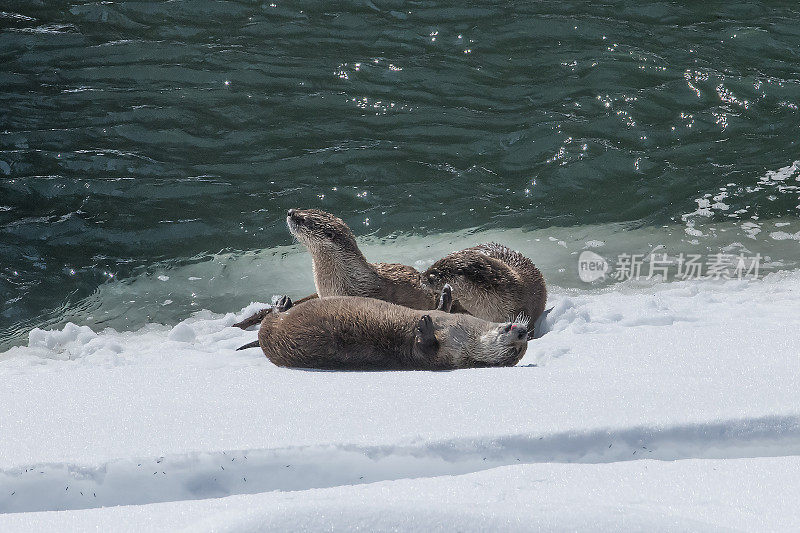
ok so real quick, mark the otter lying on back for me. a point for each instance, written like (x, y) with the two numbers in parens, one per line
(490, 281)
(354, 333)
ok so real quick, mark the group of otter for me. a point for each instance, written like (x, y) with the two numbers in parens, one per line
(376, 316)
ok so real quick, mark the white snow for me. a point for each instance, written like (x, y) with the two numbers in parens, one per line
(679, 405)
(757, 494)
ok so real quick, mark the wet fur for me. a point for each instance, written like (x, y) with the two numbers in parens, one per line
(492, 281)
(489, 281)
(340, 269)
(367, 334)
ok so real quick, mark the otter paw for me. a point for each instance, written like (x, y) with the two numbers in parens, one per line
(446, 299)
(425, 325)
(425, 339)
(283, 303)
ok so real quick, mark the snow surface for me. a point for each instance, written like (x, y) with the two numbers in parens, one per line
(758, 494)
(680, 404)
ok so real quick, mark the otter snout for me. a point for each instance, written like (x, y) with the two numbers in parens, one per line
(295, 220)
(295, 215)
(516, 331)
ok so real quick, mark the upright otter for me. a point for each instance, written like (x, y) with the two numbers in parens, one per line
(354, 333)
(340, 268)
(490, 281)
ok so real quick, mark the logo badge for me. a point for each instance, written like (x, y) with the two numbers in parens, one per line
(591, 266)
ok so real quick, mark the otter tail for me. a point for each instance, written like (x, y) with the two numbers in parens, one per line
(253, 344)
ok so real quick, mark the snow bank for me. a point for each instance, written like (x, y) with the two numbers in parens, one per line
(758, 494)
(701, 371)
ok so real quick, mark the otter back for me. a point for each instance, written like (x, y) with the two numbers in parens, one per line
(491, 281)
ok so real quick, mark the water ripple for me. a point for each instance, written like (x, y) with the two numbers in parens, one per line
(133, 133)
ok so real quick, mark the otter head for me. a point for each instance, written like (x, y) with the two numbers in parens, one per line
(320, 232)
(504, 344)
(339, 266)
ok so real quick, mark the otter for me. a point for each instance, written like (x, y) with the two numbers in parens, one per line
(281, 304)
(490, 281)
(340, 268)
(356, 333)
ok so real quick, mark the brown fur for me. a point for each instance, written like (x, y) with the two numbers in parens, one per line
(367, 334)
(340, 269)
(489, 281)
(492, 282)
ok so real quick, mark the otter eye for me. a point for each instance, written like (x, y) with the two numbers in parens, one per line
(507, 328)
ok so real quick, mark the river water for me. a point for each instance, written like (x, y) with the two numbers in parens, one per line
(150, 150)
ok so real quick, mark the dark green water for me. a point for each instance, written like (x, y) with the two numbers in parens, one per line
(137, 137)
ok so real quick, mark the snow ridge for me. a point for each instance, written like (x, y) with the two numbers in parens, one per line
(193, 476)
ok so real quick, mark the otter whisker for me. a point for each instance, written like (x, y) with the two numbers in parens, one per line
(521, 319)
